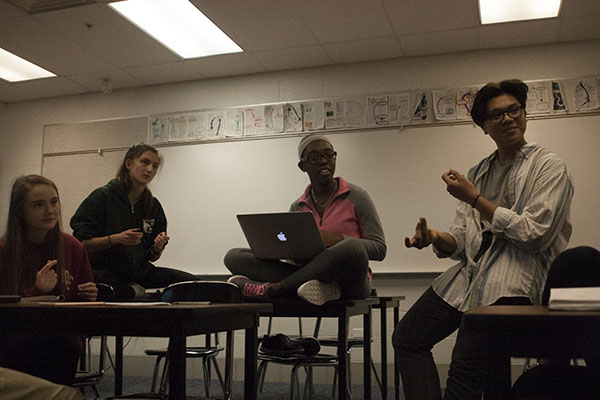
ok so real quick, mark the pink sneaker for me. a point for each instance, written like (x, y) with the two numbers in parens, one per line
(250, 289)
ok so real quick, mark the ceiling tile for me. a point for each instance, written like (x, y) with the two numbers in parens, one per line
(258, 25)
(108, 35)
(116, 79)
(440, 42)
(579, 8)
(580, 28)
(227, 65)
(519, 33)
(295, 58)
(40, 88)
(165, 73)
(31, 40)
(10, 94)
(419, 16)
(344, 20)
(8, 10)
(363, 50)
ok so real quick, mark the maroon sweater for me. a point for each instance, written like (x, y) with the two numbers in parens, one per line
(77, 269)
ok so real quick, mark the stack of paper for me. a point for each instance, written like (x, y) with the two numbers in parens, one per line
(579, 298)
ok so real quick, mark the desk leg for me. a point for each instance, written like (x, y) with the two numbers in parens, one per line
(228, 364)
(367, 355)
(343, 389)
(118, 365)
(384, 377)
(250, 364)
(396, 365)
(177, 372)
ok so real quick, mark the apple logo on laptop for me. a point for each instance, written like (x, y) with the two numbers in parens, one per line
(281, 237)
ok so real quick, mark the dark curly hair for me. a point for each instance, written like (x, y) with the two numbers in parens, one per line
(514, 87)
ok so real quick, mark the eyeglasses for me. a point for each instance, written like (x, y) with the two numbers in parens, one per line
(512, 111)
(314, 157)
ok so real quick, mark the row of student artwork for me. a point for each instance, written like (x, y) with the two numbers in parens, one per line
(545, 97)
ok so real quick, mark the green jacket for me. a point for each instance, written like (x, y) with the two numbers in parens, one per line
(107, 211)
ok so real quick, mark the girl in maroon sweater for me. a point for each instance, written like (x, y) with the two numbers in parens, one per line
(36, 258)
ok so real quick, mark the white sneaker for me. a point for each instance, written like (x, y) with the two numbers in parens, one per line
(319, 293)
(139, 290)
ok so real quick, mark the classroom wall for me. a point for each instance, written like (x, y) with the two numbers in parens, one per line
(21, 126)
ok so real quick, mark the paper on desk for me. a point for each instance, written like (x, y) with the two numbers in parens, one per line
(579, 298)
(138, 304)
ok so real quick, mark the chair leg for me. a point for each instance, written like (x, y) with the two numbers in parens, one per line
(295, 383)
(376, 376)
(96, 392)
(205, 368)
(155, 374)
(261, 372)
(220, 377)
(335, 376)
(164, 379)
(309, 383)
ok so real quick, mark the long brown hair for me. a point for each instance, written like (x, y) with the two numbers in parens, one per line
(124, 179)
(17, 270)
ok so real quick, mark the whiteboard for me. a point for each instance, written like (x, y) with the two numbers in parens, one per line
(203, 186)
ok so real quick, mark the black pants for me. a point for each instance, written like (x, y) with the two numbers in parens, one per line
(346, 262)
(51, 356)
(429, 321)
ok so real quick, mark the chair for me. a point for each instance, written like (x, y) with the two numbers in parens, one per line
(207, 353)
(296, 361)
(86, 376)
(215, 292)
(576, 267)
(352, 342)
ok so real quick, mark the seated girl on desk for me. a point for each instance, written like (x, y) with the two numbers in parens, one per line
(36, 259)
(350, 229)
(123, 228)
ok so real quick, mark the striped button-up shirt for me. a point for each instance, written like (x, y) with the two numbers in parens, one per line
(526, 237)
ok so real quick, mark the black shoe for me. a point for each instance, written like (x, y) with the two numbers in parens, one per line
(310, 345)
(280, 345)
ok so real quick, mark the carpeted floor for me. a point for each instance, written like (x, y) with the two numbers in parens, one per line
(195, 387)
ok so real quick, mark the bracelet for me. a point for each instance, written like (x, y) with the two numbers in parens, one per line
(109, 242)
(475, 200)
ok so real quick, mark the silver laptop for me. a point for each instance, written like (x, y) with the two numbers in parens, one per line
(283, 235)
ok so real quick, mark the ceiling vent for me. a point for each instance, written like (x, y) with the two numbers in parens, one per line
(42, 6)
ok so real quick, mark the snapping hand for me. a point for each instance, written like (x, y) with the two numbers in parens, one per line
(424, 236)
(459, 186)
(46, 278)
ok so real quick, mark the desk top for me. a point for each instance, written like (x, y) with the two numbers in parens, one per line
(131, 320)
(527, 312)
(332, 309)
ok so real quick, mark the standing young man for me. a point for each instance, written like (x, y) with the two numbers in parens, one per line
(513, 219)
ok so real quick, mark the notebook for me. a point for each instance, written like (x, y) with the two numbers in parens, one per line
(283, 235)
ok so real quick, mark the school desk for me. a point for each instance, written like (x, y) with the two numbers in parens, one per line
(173, 321)
(531, 331)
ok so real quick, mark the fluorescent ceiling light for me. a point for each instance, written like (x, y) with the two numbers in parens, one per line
(179, 25)
(495, 11)
(15, 69)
